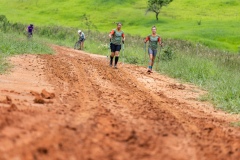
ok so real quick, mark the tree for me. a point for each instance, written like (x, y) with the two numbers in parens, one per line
(88, 23)
(156, 5)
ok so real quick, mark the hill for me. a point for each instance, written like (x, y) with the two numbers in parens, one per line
(214, 23)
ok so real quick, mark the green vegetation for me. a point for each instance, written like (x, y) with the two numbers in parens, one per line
(217, 73)
(235, 124)
(214, 23)
(13, 43)
(156, 6)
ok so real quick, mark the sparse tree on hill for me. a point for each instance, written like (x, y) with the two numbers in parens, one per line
(156, 5)
(88, 23)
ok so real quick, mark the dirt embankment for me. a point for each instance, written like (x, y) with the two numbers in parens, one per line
(71, 105)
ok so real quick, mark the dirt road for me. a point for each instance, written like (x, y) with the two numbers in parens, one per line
(90, 111)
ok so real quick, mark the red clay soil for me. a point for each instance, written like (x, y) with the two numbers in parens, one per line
(72, 106)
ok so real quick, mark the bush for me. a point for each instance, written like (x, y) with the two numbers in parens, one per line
(133, 60)
(167, 53)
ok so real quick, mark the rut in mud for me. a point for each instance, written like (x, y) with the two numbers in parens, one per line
(99, 113)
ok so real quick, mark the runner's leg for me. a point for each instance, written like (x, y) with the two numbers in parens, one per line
(116, 58)
(151, 59)
(82, 45)
(153, 56)
(111, 58)
(112, 46)
(150, 53)
(118, 48)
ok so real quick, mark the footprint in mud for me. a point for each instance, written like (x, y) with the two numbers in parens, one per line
(42, 150)
(177, 86)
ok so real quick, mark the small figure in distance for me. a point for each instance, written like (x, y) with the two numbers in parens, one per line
(30, 30)
(81, 39)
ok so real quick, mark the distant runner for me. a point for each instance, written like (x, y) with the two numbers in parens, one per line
(154, 40)
(30, 29)
(117, 36)
(81, 39)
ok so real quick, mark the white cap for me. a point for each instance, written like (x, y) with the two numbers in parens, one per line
(79, 31)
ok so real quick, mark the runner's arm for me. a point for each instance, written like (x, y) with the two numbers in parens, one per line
(111, 34)
(147, 39)
(123, 36)
(160, 41)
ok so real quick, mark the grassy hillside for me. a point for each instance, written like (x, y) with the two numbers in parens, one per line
(214, 23)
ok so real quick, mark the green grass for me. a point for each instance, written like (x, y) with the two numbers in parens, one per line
(219, 18)
(235, 124)
(3, 64)
(13, 43)
(221, 83)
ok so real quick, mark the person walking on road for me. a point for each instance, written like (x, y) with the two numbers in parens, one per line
(154, 40)
(81, 39)
(117, 37)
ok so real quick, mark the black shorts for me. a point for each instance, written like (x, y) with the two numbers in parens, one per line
(115, 48)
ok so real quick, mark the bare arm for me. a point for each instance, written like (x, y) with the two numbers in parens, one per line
(123, 36)
(111, 34)
(160, 41)
(146, 39)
